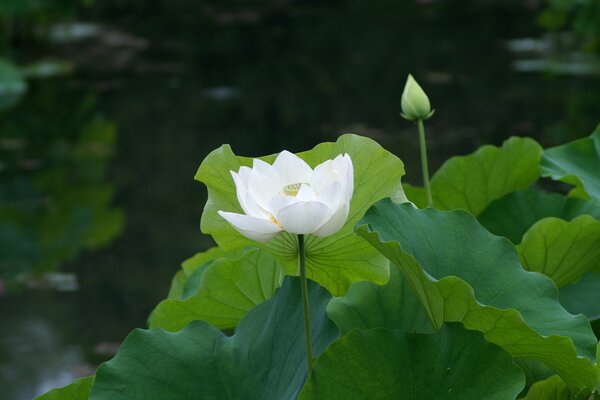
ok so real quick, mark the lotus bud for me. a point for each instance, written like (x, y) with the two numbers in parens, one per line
(415, 103)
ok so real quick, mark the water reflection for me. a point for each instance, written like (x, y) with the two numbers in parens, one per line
(34, 343)
(558, 54)
(37, 351)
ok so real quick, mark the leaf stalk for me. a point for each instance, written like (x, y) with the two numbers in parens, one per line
(304, 286)
(424, 163)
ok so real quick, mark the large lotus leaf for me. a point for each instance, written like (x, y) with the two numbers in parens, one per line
(512, 215)
(471, 182)
(335, 261)
(379, 364)
(562, 250)
(577, 163)
(583, 297)
(367, 305)
(394, 306)
(462, 273)
(265, 359)
(78, 390)
(227, 290)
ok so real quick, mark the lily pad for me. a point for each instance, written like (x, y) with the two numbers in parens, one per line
(577, 163)
(378, 364)
(473, 181)
(227, 289)
(462, 273)
(335, 261)
(78, 390)
(265, 359)
(512, 215)
(562, 250)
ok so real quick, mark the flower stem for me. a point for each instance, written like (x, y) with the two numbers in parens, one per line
(302, 267)
(424, 164)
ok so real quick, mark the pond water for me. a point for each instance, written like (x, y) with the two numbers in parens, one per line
(96, 174)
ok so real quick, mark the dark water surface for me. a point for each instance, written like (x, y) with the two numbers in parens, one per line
(174, 81)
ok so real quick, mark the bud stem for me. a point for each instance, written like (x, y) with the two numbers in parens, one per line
(303, 284)
(424, 164)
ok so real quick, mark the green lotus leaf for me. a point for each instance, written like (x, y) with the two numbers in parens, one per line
(512, 215)
(583, 297)
(562, 250)
(335, 261)
(177, 283)
(194, 267)
(378, 364)
(186, 281)
(462, 273)
(367, 305)
(415, 194)
(225, 291)
(577, 163)
(471, 182)
(535, 371)
(579, 193)
(202, 259)
(552, 388)
(78, 390)
(265, 359)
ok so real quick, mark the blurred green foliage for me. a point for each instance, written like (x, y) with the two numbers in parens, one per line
(54, 198)
(12, 84)
(581, 17)
(21, 20)
(24, 33)
(41, 10)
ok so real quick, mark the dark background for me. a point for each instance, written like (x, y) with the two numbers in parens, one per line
(107, 108)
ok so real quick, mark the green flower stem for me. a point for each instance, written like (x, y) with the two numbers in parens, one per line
(424, 164)
(302, 267)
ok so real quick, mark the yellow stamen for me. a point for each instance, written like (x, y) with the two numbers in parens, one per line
(292, 189)
(274, 220)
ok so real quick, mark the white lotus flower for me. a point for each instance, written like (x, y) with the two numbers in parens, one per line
(290, 196)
